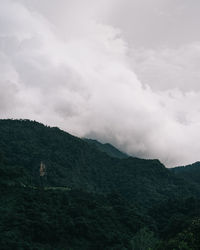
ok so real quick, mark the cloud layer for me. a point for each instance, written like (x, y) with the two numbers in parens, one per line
(61, 64)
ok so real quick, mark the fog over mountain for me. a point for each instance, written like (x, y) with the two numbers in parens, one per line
(120, 71)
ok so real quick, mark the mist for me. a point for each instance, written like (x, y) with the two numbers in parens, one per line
(72, 65)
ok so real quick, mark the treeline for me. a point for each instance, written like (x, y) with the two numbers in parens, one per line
(87, 199)
(35, 218)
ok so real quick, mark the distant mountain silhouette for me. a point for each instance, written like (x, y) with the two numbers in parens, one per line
(107, 148)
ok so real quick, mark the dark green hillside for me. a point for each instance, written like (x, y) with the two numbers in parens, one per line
(74, 163)
(190, 173)
(150, 181)
(35, 218)
(80, 198)
(107, 148)
(56, 219)
(69, 160)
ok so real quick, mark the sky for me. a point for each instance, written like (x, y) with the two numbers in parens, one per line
(125, 72)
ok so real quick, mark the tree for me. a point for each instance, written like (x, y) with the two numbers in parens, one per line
(144, 240)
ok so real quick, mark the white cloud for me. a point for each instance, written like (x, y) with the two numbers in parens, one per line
(78, 76)
(167, 68)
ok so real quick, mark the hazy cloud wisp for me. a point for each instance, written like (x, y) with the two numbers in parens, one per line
(80, 76)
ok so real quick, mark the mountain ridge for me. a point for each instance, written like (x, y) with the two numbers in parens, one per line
(74, 163)
(86, 199)
(189, 172)
(107, 148)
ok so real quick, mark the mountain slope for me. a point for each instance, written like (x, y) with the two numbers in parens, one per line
(35, 218)
(190, 173)
(41, 218)
(107, 148)
(74, 163)
(131, 204)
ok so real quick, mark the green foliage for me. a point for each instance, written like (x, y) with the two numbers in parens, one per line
(108, 149)
(88, 199)
(56, 219)
(189, 239)
(177, 223)
(76, 164)
(144, 240)
(190, 173)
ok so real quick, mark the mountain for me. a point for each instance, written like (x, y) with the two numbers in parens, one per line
(107, 148)
(190, 173)
(54, 219)
(76, 164)
(59, 192)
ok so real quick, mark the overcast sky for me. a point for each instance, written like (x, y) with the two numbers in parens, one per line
(120, 71)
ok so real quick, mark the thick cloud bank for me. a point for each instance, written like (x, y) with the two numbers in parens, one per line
(61, 64)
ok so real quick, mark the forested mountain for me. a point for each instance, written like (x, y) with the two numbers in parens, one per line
(107, 148)
(32, 218)
(61, 192)
(74, 163)
(190, 173)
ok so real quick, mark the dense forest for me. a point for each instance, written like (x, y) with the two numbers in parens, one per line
(107, 148)
(62, 192)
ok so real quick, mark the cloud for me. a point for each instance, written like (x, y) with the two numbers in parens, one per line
(62, 65)
(157, 23)
(168, 68)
